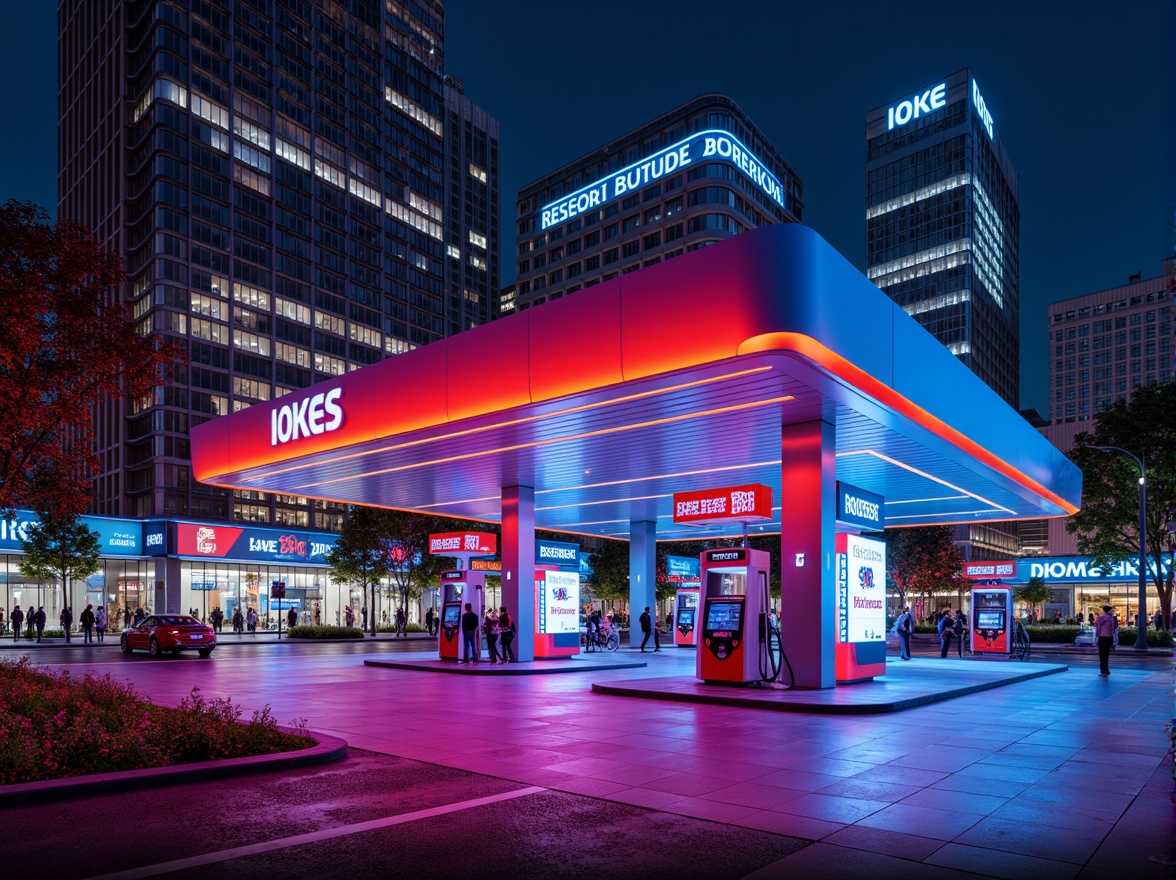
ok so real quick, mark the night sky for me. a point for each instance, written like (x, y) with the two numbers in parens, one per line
(1081, 93)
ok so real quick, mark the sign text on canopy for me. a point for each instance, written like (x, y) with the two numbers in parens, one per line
(734, 503)
(463, 544)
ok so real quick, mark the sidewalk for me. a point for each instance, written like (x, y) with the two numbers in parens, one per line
(223, 640)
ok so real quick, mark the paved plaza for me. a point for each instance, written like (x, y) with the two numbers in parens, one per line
(1062, 776)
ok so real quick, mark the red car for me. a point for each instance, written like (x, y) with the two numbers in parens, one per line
(169, 632)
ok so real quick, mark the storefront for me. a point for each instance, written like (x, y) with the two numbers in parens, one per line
(1080, 587)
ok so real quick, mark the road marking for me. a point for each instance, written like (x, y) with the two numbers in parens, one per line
(226, 855)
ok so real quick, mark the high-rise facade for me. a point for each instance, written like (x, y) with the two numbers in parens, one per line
(471, 211)
(699, 174)
(273, 172)
(943, 223)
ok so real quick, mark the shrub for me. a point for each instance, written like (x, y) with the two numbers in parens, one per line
(54, 725)
(412, 628)
(1155, 638)
(325, 632)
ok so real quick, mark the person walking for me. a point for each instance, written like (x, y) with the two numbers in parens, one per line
(469, 635)
(251, 622)
(292, 618)
(1105, 626)
(904, 627)
(31, 621)
(86, 619)
(429, 620)
(506, 633)
(363, 617)
(238, 620)
(39, 619)
(349, 617)
(401, 623)
(100, 623)
(647, 630)
(66, 619)
(17, 617)
(490, 631)
(957, 629)
(945, 632)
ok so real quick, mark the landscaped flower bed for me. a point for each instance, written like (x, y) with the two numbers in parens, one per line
(54, 725)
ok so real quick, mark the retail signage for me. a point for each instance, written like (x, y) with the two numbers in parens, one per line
(486, 565)
(858, 507)
(917, 105)
(317, 414)
(559, 602)
(1003, 569)
(981, 109)
(463, 544)
(262, 545)
(1081, 569)
(563, 554)
(732, 555)
(155, 539)
(861, 601)
(278, 590)
(710, 145)
(733, 504)
(683, 571)
(116, 537)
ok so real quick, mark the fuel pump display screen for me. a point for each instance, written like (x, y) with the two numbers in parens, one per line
(990, 620)
(686, 617)
(452, 616)
(724, 616)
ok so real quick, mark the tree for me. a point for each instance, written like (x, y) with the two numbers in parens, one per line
(68, 344)
(411, 567)
(923, 560)
(1107, 526)
(610, 572)
(1034, 593)
(60, 548)
(360, 555)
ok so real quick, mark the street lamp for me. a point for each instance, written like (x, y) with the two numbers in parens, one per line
(1141, 620)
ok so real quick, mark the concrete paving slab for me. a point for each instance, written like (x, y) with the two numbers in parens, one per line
(902, 687)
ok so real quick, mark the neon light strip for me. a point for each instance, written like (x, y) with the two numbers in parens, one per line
(952, 513)
(915, 470)
(927, 500)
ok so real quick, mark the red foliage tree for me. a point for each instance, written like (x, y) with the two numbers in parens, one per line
(67, 345)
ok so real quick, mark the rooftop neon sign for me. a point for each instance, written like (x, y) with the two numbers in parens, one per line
(711, 144)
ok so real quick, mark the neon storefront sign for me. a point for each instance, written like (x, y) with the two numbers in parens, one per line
(915, 106)
(713, 144)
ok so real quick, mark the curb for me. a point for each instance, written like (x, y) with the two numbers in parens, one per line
(327, 749)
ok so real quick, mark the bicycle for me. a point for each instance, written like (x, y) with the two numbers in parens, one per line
(1021, 645)
(607, 639)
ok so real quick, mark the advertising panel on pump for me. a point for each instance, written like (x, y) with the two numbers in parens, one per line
(862, 591)
(559, 603)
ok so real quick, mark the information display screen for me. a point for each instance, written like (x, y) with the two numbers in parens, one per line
(990, 620)
(559, 602)
(724, 616)
(452, 615)
(862, 591)
(686, 616)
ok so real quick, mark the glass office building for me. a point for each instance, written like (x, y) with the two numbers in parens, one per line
(943, 223)
(699, 174)
(273, 173)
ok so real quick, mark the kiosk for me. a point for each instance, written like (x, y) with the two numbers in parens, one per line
(734, 646)
(686, 617)
(457, 588)
(992, 618)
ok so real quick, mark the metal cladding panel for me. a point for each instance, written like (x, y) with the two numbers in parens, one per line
(488, 371)
(578, 344)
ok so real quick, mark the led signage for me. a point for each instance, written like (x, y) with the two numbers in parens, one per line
(463, 544)
(711, 144)
(981, 109)
(734, 504)
(1082, 568)
(317, 414)
(264, 545)
(861, 603)
(1003, 569)
(918, 105)
(558, 553)
(858, 507)
(116, 537)
(683, 571)
(559, 602)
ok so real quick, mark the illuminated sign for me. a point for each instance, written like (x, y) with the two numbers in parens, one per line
(861, 602)
(264, 545)
(1082, 568)
(981, 109)
(859, 507)
(725, 556)
(734, 503)
(559, 602)
(683, 571)
(561, 553)
(1003, 569)
(463, 544)
(704, 145)
(116, 537)
(317, 414)
(485, 565)
(918, 105)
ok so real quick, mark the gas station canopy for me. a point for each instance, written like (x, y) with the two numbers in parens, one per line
(674, 378)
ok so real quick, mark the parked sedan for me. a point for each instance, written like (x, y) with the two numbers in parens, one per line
(169, 632)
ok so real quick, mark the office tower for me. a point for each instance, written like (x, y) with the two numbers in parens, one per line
(471, 214)
(943, 221)
(273, 173)
(699, 174)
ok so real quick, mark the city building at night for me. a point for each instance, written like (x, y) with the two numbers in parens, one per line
(943, 239)
(699, 174)
(274, 175)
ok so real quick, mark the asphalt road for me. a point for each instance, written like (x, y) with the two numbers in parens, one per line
(372, 815)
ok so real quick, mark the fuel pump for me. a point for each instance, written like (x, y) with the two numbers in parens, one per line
(686, 617)
(992, 617)
(458, 588)
(739, 641)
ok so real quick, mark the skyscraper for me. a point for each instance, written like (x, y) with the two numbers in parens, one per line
(696, 175)
(273, 173)
(943, 223)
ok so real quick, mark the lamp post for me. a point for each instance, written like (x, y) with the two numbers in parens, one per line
(1141, 621)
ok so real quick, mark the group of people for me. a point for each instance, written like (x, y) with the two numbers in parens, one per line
(93, 622)
(951, 625)
(498, 628)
